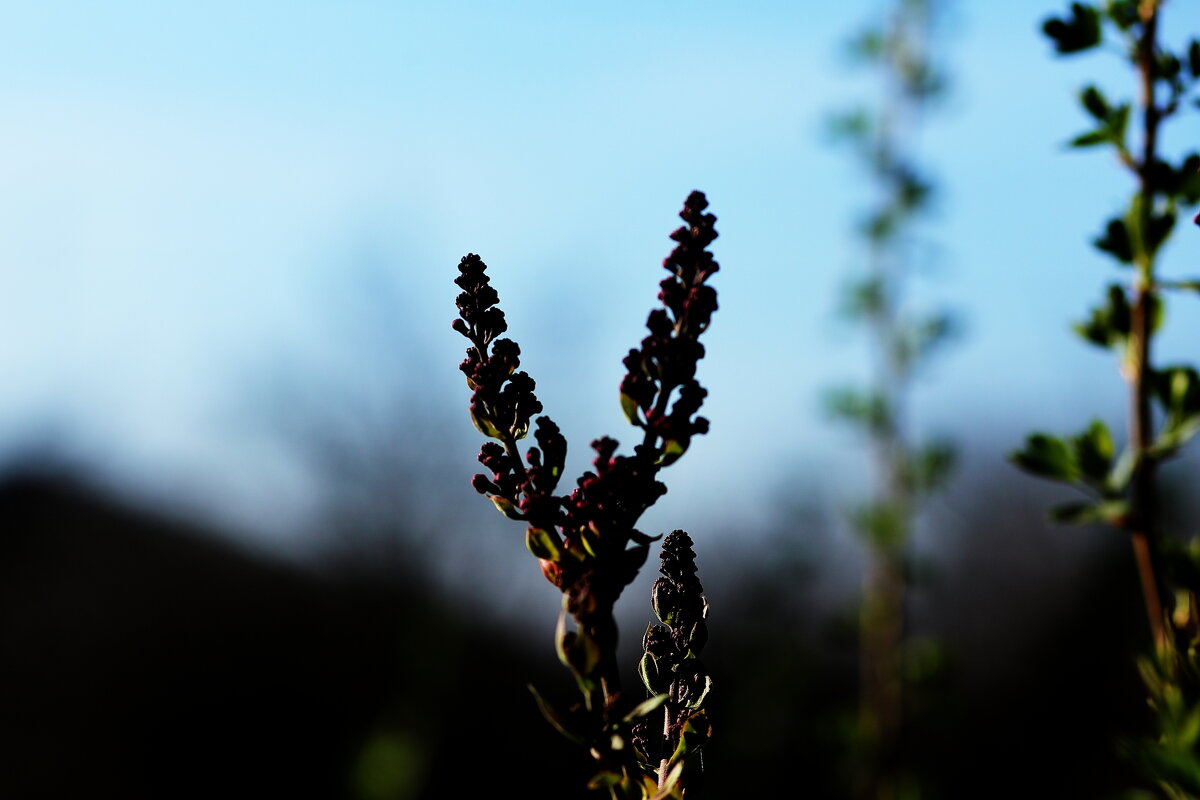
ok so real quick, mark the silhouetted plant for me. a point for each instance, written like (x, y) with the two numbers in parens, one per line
(1122, 489)
(586, 541)
(906, 472)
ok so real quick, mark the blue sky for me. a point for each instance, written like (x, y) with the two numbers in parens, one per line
(202, 198)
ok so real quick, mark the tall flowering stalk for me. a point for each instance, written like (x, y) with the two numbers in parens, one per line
(884, 139)
(587, 542)
(1164, 401)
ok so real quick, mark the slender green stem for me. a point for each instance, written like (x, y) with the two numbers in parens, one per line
(885, 591)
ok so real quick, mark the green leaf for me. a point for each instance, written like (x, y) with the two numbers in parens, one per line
(1160, 229)
(1150, 675)
(1072, 513)
(854, 126)
(632, 412)
(1108, 325)
(643, 538)
(1094, 331)
(863, 298)
(883, 524)
(915, 341)
(1185, 390)
(1116, 241)
(484, 425)
(671, 784)
(1092, 138)
(930, 466)
(506, 507)
(880, 226)
(1177, 388)
(1182, 182)
(633, 558)
(672, 450)
(867, 45)
(868, 409)
(1076, 33)
(1174, 435)
(1168, 66)
(590, 543)
(580, 653)
(604, 780)
(543, 544)
(1187, 180)
(1093, 451)
(646, 706)
(1124, 13)
(1162, 176)
(583, 654)
(1047, 457)
(563, 638)
(652, 677)
(695, 734)
(698, 700)
(912, 192)
(1118, 123)
(561, 722)
(698, 635)
(1122, 472)
(1095, 104)
(1112, 512)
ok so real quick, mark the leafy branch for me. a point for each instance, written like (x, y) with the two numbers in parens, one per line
(1121, 489)
(1164, 401)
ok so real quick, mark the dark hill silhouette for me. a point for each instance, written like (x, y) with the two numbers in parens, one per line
(145, 657)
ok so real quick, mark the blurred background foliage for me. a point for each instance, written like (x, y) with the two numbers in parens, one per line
(240, 553)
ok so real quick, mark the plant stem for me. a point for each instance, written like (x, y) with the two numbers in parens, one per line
(666, 759)
(602, 626)
(1143, 499)
(884, 615)
(885, 590)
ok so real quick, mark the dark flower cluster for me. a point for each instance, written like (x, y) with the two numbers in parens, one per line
(679, 604)
(602, 512)
(502, 402)
(678, 596)
(526, 492)
(671, 664)
(666, 360)
(596, 523)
